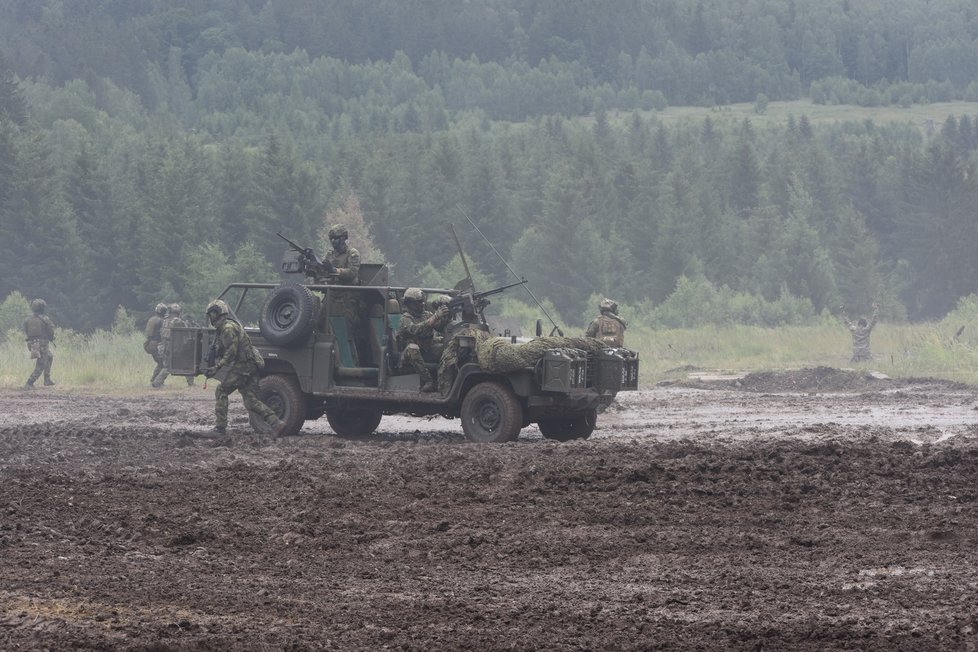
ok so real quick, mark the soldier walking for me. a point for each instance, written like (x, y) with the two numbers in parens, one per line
(153, 332)
(172, 321)
(608, 326)
(39, 333)
(236, 355)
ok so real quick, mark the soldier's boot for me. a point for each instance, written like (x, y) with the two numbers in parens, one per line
(48, 382)
(29, 384)
(217, 431)
(429, 387)
(278, 427)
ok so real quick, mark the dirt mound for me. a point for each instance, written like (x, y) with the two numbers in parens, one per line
(823, 379)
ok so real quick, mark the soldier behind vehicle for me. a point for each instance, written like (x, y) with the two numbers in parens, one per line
(860, 333)
(344, 258)
(154, 327)
(39, 333)
(608, 326)
(415, 335)
(173, 319)
(236, 355)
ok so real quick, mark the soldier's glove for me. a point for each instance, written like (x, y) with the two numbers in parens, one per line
(442, 313)
(209, 372)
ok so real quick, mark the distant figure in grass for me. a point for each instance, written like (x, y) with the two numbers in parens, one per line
(154, 338)
(39, 333)
(860, 333)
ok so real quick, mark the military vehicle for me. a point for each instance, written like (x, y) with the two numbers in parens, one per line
(319, 361)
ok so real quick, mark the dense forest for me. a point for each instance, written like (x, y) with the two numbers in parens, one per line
(150, 149)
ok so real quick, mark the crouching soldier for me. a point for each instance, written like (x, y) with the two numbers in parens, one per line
(241, 360)
(415, 335)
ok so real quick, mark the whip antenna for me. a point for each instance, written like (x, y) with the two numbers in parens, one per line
(526, 287)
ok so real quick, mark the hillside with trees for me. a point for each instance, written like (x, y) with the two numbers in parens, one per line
(149, 150)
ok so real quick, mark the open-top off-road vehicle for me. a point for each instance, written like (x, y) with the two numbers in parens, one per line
(320, 361)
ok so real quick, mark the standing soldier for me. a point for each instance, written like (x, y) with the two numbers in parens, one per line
(608, 327)
(172, 320)
(860, 334)
(344, 261)
(154, 327)
(415, 335)
(39, 332)
(236, 354)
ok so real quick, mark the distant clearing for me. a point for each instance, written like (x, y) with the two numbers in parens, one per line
(778, 112)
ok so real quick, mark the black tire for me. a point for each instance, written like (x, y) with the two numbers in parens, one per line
(577, 426)
(285, 397)
(353, 422)
(491, 413)
(288, 315)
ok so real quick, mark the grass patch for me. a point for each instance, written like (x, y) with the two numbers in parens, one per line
(117, 364)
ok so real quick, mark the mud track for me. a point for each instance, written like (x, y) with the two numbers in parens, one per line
(709, 517)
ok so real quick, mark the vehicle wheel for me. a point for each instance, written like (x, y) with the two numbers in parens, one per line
(491, 413)
(285, 397)
(289, 314)
(353, 422)
(576, 426)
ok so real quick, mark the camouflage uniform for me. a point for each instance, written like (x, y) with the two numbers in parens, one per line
(154, 326)
(236, 353)
(608, 327)
(39, 333)
(451, 357)
(347, 265)
(415, 336)
(860, 335)
(172, 320)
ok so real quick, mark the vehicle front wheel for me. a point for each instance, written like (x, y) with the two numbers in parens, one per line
(491, 413)
(284, 396)
(579, 425)
(353, 422)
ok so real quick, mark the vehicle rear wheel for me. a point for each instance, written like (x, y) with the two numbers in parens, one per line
(353, 422)
(289, 314)
(284, 396)
(491, 413)
(579, 425)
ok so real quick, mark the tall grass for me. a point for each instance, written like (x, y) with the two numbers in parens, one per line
(116, 363)
(99, 362)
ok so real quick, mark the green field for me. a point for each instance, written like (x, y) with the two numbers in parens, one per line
(117, 364)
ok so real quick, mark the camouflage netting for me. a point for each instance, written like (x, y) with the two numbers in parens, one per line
(499, 354)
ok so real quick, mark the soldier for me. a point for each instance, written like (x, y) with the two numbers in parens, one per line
(172, 320)
(236, 354)
(154, 326)
(608, 327)
(343, 257)
(860, 334)
(415, 335)
(438, 337)
(39, 333)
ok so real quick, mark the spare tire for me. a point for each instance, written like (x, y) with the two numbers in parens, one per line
(289, 314)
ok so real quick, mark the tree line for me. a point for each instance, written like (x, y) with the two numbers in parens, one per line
(151, 151)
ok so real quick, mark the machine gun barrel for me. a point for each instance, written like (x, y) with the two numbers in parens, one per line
(310, 258)
(479, 298)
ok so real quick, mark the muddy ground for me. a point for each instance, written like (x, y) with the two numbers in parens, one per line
(751, 514)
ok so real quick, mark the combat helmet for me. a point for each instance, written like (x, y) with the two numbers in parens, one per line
(608, 304)
(338, 231)
(38, 306)
(217, 309)
(439, 300)
(160, 309)
(414, 294)
(174, 309)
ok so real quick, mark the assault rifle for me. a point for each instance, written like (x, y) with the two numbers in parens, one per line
(311, 264)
